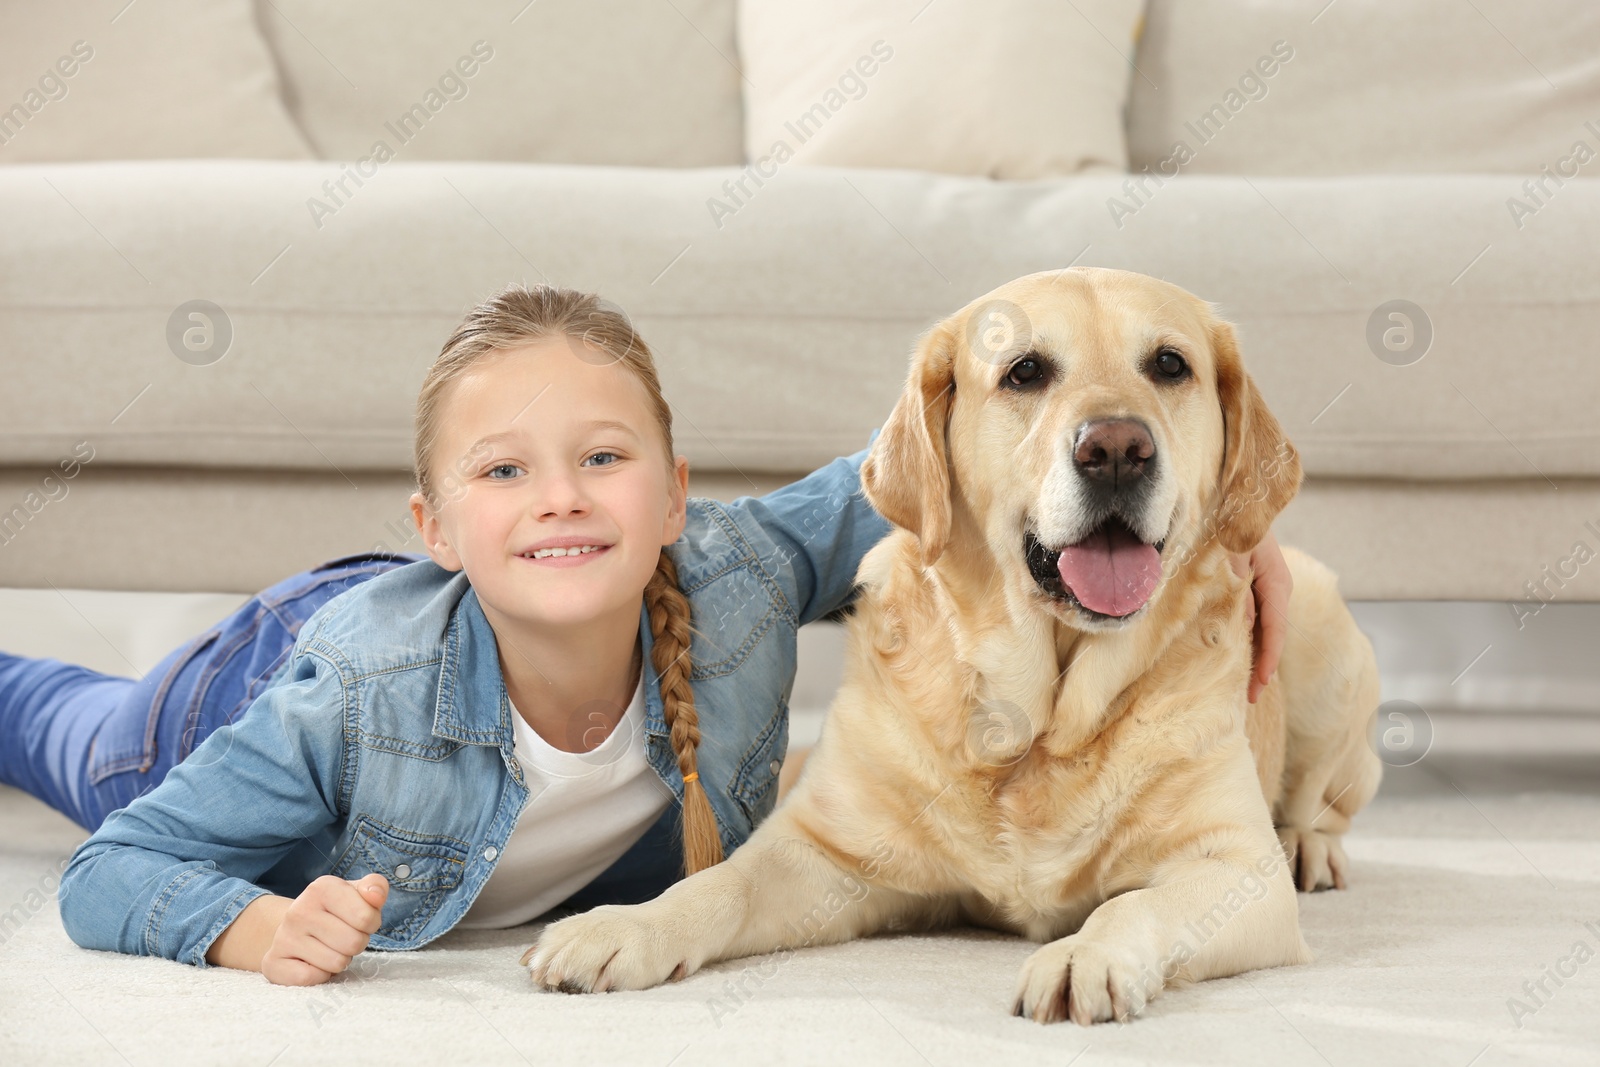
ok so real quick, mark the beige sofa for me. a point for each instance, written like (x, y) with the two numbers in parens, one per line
(589, 148)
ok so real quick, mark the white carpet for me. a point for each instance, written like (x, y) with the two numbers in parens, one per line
(1457, 899)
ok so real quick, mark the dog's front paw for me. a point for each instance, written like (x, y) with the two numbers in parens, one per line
(1085, 981)
(1316, 859)
(613, 946)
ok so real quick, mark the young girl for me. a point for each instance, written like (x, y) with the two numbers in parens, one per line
(385, 747)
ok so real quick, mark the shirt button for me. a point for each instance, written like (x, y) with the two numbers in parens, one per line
(490, 853)
(402, 872)
(775, 766)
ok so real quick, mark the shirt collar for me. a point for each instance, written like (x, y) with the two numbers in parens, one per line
(472, 705)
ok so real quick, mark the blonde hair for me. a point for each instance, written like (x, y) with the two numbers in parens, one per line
(516, 317)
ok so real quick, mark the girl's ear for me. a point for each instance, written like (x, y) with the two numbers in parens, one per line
(432, 532)
(678, 513)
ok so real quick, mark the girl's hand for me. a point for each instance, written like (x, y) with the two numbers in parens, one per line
(1269, 607)
(325, 927)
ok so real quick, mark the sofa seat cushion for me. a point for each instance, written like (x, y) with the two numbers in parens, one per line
(782, 330)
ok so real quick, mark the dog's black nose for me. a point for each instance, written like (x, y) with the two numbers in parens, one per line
(1114, 452)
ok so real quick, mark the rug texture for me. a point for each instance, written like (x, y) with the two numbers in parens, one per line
(1469, 934)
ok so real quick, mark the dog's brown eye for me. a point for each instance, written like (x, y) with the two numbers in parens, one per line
(1170, 365)
(1025, 372)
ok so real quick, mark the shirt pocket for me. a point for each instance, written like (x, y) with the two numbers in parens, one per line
(731, 614)
(421, 870)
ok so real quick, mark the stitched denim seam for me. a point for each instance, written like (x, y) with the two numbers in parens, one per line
(448, 877)
(401, 746)
(250, 698)
(349, 760)
(361, 737)
(427, 908)
(766, 576)
(403, 834)
(144, 759)
(705, 578)
(350, 754)
(230, 912)
(159, 906)
(742, 786)
(735, 659)
(332, 653)
(699, 577)
(449, 671)
(191, 716)
(397, 668)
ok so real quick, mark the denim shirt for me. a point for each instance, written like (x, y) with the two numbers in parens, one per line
(385, 743)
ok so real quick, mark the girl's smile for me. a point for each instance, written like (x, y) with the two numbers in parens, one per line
(564, 551)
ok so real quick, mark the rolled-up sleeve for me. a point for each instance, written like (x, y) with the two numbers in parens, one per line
(811, 535)
(165, 875)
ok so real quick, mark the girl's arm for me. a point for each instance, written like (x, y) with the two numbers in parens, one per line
(811, 535)
(168, 873)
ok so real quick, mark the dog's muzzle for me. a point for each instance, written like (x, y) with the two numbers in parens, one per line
(1110, 573)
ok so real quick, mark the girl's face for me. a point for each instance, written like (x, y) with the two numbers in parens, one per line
(540, 447)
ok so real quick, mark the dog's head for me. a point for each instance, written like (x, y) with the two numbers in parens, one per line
(1097, 429)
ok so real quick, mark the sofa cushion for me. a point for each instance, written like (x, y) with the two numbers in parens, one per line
(557, 81)
(1002, 88)
(783, 336)
(161, 79)
(1366, 86)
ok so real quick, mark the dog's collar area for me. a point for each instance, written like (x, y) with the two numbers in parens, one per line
(1043, 565)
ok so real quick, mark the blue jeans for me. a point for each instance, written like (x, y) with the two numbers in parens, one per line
(88, 743)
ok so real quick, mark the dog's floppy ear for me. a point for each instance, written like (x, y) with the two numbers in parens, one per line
(1260, 466)
(906, 476)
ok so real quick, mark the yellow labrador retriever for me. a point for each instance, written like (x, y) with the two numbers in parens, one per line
(1043, 726)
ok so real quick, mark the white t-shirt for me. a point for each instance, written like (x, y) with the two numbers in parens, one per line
(584, 810)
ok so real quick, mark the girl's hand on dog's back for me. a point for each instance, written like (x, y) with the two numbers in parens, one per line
(1271, 583)
(325, 927)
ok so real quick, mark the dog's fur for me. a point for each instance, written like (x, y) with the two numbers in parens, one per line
(1001, 755)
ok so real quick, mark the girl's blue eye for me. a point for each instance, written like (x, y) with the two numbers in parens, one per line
(500, 467)
(597, 455)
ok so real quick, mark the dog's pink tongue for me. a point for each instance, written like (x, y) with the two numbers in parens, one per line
(1110, 571)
